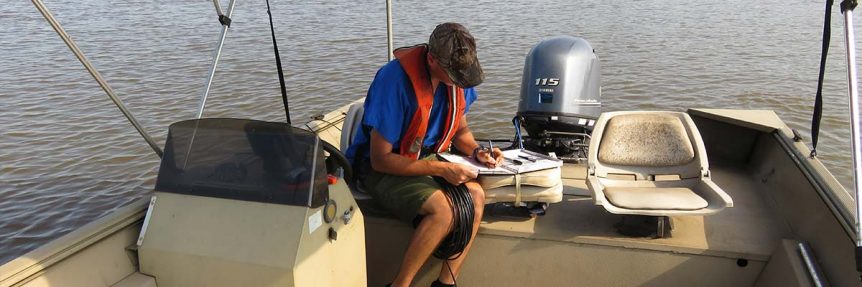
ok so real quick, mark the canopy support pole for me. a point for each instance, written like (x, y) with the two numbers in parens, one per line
(216, 55)
(853, 92)
(95, 73)
(389, 43)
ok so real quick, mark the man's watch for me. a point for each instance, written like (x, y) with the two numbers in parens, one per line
(476, 152)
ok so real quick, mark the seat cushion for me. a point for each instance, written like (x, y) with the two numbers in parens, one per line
(542, 178)
(352, 125)
(652, 198)
(653, 140)
(552, 194)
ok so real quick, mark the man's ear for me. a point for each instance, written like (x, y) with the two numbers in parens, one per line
(430, 59)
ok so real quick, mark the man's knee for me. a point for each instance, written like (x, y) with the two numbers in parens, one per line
(438, 208)
(478, 195)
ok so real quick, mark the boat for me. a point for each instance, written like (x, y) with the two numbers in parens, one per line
(244, 202)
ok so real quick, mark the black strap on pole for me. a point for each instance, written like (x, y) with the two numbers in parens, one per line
(818, 100)
(278, 65)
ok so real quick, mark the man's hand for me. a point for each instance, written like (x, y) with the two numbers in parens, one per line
(490, 159)
(456, 173)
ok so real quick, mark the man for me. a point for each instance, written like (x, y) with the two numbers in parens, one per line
(415, 108)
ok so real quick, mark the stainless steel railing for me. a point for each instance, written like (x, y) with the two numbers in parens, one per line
(95, 73)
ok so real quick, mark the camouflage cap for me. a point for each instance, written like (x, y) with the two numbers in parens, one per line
(455, 50)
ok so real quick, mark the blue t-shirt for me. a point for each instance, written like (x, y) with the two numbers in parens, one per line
(389, 107)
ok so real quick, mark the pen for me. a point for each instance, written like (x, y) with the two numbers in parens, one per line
(491, 151)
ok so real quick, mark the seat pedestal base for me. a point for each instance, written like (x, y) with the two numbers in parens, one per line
(645, 226)
(509, 210)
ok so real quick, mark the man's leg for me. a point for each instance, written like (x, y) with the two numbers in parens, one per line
(479, 206)
(435, 225)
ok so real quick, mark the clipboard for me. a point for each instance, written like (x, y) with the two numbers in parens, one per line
(516, 161)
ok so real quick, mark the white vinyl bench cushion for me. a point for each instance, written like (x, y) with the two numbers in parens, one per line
(541, 178)
(552, 194)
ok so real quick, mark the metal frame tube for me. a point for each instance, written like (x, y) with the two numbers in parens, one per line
(216, 57)
(95, 73)
(218, 7)
(389, 43)
(853, 91)
(810, 265)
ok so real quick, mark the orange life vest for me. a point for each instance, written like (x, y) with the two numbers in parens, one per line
(413, 61)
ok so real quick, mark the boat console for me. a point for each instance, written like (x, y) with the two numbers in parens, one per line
(244, 202)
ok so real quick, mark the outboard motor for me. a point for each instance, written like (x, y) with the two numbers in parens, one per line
(560, 97)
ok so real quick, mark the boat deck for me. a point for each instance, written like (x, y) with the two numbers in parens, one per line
(748, 230)
(577, 238)
(577, 241)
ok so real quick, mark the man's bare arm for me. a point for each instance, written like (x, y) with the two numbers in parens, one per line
(466, 143)
(463, 139)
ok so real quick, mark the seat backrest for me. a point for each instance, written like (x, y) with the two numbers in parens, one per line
(645, 144)
(352, 125)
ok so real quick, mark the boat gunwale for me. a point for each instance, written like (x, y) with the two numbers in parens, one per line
(32, 264)
(833, 194)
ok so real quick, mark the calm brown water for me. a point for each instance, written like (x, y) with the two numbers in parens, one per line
(67, 156)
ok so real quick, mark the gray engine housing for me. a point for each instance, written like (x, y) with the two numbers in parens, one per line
(561, 86)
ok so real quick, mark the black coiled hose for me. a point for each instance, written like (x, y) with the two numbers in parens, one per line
(463, 213)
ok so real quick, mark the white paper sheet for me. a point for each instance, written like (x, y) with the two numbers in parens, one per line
(516, 161)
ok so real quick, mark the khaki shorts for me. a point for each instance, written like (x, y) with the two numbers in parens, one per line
(400, 195)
